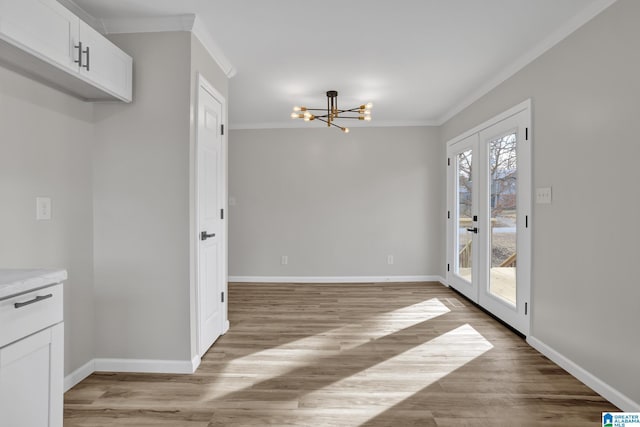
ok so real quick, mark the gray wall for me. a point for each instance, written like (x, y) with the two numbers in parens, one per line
(336, 204)
(119, 177)
(585, 254)
(141, 206)
(45, 150)
(143, 186)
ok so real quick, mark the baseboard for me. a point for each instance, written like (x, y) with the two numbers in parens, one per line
(195, 362)
(605, 390)
(145, 366)
(334, 279)
(130, 365)
(78, 375)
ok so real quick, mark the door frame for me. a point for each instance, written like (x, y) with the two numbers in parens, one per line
(525, 254)
(203, 84)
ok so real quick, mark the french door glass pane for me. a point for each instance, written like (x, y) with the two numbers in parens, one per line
(465, 206)
(503, 180)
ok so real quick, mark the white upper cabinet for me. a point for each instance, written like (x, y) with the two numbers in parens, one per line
(44, 28)
(104, 63)
(46, 41)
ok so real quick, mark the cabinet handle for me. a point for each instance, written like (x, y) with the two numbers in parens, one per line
(86, 51)
(79, 60)
(36, 299)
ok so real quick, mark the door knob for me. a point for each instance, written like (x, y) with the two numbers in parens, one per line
(473, 230)
(205, 236)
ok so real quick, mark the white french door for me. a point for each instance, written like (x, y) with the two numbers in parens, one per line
(489, 204)
(463, 274)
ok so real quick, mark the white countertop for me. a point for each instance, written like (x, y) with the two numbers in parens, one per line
(17, 281)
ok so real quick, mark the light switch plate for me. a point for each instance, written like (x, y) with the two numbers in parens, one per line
(43, 208)
(543, 195)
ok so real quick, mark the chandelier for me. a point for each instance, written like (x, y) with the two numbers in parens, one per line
(332, 112)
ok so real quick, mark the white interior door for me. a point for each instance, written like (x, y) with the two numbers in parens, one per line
(210, 197)
(489, 199)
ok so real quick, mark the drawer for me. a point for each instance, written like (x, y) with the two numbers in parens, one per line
(30, 312)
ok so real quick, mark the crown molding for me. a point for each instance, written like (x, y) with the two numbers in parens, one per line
(188, 22)
(149, 24)
(82, 14)
(302, 125)
(201, 32)
(553, 39)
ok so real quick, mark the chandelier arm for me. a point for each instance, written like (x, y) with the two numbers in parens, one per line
(351, 110)
(332, 124)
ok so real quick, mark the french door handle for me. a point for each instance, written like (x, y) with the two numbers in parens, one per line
(473, 230)
(205, 236)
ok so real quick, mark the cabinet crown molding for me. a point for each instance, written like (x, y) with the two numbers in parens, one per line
(189, 22)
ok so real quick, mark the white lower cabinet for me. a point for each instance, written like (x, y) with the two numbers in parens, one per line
(31, 382)
(31, 353)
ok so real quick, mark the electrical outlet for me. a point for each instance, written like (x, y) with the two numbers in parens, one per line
(43, 208)
(390, 259)
(284, 260)
(543, 195)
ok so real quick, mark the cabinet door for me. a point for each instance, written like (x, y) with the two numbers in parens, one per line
(105, 64)
(31, 380)
(43, 28)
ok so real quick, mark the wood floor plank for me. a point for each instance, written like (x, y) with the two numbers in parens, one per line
(347, 355)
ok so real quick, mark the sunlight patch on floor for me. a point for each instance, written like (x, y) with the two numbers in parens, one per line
(307, 349)
(398, 378)
(266, 364)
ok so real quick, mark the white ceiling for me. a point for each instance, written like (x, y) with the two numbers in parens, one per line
(418, 61)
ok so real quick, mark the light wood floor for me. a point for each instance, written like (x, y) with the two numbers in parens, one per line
(369, 355)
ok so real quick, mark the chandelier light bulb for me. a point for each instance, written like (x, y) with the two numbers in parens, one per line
(345, 130)
(369, 106)
(367, 118)
(294, 115)
(296, 108)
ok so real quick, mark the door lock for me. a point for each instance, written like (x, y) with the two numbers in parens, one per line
(473, 230)
(205, 236)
